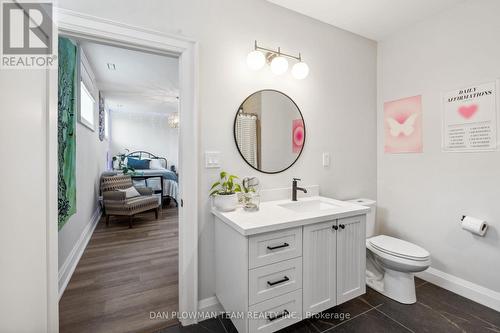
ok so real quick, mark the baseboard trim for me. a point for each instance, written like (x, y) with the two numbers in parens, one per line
(467, 289)
(69, 266)
(209, 305)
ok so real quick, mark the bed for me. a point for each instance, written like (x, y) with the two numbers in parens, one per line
(158, 177)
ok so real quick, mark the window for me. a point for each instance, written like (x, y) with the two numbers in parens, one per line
(106, 123)
(87, 106)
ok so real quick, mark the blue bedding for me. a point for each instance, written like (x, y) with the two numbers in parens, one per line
(166, 174)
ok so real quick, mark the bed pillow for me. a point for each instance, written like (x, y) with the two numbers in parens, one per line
(130, 192)
(155, 164)
(137, 163)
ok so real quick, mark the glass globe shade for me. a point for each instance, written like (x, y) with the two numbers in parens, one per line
(256, 60)
(300, 70)
(279, 65)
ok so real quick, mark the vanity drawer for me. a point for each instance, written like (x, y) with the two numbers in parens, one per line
(273, 280)
(274, 246)
(276, 313)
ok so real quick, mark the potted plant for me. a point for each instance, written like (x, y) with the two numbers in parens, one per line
(223, 192)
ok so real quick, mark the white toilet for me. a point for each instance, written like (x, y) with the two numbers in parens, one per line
(391, 262)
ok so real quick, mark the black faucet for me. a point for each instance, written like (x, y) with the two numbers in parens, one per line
(295, 188)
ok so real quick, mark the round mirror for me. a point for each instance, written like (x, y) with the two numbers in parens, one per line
(269, 131)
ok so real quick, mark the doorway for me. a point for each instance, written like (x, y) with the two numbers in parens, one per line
(127, 104)
(103, 31)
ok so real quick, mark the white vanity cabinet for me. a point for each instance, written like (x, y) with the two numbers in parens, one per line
(259, 276)
(320, 266)
(351, 258)
(275, 267)
(333, 263)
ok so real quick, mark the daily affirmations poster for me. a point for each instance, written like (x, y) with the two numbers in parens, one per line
(469, 119)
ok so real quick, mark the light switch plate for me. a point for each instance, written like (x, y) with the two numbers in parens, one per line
(326, 160)
(212, 159)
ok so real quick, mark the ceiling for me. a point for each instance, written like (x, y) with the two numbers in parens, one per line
(141, 82)
(374, 19)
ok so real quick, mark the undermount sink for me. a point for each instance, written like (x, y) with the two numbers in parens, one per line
(309, 206)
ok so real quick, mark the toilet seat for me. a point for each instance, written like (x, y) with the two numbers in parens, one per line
(398, 248)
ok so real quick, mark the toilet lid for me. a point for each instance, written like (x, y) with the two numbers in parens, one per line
(398, 247)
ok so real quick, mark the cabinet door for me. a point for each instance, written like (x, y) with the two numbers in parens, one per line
(319, 264)
(351, 258)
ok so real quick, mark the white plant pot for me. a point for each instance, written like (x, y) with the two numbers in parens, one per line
(225, 203)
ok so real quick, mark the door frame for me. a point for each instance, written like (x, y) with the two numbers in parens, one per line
(75, 24)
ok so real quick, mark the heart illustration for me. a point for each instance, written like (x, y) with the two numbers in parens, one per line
(468, 111)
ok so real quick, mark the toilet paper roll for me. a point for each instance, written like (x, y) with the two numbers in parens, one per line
(474, 225)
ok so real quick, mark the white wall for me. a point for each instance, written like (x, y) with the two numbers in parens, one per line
(422, 196)
(144, 131)
(338, 99)
(90, 162)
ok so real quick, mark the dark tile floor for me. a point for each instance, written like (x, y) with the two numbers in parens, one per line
(437, 310)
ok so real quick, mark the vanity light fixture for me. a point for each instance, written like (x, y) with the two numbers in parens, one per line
(300, 70)
(277, 61)
(256, 60)
(279, 65)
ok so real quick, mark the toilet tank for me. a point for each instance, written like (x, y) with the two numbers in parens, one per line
(370, 217)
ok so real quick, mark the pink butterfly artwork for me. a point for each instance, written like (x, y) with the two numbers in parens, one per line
(403, 125)
(298, 135)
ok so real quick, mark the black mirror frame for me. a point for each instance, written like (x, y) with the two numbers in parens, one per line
(236, 142)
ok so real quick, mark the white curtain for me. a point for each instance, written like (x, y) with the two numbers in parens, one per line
(246, 136)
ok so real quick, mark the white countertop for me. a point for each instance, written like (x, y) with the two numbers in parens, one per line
(272, 216)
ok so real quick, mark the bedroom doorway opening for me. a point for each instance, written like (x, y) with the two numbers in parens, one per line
(127, 168)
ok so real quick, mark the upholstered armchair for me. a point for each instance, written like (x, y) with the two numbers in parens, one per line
(116, 202)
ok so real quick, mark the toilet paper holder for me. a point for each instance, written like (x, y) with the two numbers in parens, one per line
(477, 226)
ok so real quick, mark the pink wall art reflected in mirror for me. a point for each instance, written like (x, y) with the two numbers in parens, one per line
(297, 135)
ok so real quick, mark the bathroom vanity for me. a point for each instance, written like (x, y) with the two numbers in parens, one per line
(289, 260)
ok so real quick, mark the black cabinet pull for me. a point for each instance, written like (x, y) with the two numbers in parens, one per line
(335, 227)
(278, 246)
(278, 316)
(279, 281)
(342, 226)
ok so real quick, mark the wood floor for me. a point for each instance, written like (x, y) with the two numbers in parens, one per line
(123, 275)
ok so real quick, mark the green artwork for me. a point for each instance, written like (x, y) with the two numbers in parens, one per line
(66, 130)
